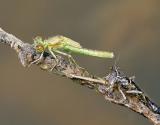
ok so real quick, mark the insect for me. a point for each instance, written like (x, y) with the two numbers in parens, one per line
(116, 78)
(129, 87)
(63, 45)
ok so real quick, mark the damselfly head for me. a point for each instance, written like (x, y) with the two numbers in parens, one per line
(39, 48)
(39, 44)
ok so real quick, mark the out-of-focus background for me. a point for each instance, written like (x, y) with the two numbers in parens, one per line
(33, 97)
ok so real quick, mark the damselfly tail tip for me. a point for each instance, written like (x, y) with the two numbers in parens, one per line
(107, 55)
(110, 55)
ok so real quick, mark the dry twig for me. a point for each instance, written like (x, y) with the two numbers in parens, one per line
(115, 87)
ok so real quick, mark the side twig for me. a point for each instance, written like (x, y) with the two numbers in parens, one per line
(115, 87)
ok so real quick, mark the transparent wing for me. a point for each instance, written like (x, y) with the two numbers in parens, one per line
(72, 43)
(62, 40)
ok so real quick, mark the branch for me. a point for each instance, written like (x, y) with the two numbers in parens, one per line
(115, 86)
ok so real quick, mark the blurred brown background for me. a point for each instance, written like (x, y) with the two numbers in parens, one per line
(33, 97)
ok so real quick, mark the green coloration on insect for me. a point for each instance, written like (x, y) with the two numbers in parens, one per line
(63, 45)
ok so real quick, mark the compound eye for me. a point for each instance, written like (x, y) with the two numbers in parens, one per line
(39, 48)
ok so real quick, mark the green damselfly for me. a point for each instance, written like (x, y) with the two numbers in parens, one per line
(64, 46)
